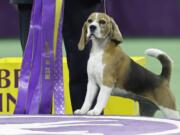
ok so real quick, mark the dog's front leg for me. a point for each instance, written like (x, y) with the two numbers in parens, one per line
(90, 95)
(103, 97)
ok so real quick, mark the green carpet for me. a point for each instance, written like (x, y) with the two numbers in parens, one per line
(10, 48)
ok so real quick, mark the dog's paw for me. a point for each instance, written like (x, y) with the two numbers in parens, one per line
(79, 112)
(94, 112)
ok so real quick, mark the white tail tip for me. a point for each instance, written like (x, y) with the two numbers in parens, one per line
(154, 52)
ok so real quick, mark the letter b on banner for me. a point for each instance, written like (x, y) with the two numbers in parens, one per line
(4, 75)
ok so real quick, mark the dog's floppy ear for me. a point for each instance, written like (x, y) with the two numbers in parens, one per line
(83, 39)
(116, 35)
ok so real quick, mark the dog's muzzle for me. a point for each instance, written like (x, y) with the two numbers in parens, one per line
(92, 28)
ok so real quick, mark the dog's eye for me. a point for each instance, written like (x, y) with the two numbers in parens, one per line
(90, 21)
(102, 22)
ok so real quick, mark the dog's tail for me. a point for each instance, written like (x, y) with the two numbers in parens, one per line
(165, 60)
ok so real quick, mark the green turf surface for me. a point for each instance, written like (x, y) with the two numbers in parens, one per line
(10, 48)
(133, 47)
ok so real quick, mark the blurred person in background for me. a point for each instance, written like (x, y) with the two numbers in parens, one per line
(24, 9)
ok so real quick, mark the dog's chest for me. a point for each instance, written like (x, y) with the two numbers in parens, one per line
(95, 67)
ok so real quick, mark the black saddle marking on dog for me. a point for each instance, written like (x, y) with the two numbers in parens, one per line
(140, 79)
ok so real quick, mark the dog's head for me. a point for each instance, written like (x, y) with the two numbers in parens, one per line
(99, 26)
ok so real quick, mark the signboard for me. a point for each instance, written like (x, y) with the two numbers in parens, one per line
(9, 75)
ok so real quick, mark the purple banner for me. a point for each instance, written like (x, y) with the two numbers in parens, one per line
(39, 77)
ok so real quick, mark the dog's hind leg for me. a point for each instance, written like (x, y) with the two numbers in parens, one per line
(164, 97)
(169, 113)
(167, 103)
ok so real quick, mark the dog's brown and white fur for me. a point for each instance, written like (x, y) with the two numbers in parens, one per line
(116, 73)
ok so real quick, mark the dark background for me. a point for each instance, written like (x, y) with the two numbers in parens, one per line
(146, 17)
(8, 20)
(135, 17)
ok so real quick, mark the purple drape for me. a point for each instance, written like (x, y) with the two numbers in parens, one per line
(146, 17)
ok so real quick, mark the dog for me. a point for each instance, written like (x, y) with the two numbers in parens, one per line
(110, 68)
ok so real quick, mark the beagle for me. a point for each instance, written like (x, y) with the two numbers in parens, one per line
(116, 73)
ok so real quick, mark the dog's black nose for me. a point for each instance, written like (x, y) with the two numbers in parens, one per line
(92, 28)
